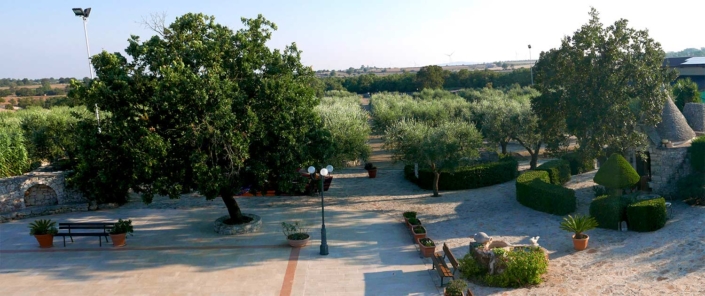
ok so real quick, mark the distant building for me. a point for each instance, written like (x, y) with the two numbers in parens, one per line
(689, 67)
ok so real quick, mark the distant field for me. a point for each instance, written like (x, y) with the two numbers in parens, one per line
(58, 85)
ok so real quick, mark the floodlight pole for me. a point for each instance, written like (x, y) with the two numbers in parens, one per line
(88, 48)
(531, 69)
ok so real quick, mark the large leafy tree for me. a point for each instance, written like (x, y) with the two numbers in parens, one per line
(201, 107)
(441, 147)
(430, 77)
(601, 84)
(685, 91)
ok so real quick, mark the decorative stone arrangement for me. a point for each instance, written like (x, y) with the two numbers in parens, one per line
(482, 250)
(252, 226)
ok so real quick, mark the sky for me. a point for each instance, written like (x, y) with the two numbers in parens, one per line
(43, 38)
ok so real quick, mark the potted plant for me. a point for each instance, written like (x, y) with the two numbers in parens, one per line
(578, 225)
(455, 288)
(407, 216)
(413, 222)
(119, 232)
(427, 246)
(43, 231)
(418, 232)
(371, 170)
(296, 234)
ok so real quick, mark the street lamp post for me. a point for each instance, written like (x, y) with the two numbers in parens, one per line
(323, 173)
(532, 66)
(84, 13)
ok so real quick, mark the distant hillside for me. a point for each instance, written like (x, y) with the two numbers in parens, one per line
(688, 52)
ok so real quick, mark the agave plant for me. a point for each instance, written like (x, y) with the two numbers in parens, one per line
(41, 227)
(578, 224)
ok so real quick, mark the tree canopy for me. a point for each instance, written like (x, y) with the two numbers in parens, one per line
(601, 84)
(685, 91)
(430, 77)
(198, 106)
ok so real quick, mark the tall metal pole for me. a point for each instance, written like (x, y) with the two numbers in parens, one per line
(532, 66)
(90, 66)
(324, 241)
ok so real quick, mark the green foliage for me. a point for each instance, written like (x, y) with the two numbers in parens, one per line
(419, 229)
(199, 106)
(442, 148)
(685, 91)
(42, 226)
(467, 177)
(616, 173)
(647, 215)
(122, 226)
(433, 107)
(471, 269)
(692, 188)
(409, 215)
(522, 266)
(456, 288)
(430, 77)
(578, 163)
(370, 166)
(295, 230)
(558, 171)
(534, 190)
(414, 221)
(50, 134)
(688, 52)
(14, 159)
(697, 154)
(347, 124)
(608, 211)
(589, 82)
(427, 242)
(578, 224)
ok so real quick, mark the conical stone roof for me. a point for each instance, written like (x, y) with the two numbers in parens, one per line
(694, 113)
(673, 126)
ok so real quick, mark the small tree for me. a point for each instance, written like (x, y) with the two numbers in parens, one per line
(442, 148)
(685, 91)
(616, 174)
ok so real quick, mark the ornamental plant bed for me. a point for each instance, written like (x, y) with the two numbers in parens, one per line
(427, 246)
(407, 216)
(414, 222)
(418, 232)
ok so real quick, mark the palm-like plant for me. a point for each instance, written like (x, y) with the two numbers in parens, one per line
(42, 226)
(578, 224)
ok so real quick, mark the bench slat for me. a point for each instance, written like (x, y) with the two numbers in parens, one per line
(82, 234)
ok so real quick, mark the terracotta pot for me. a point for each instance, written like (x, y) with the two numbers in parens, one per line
(298, 243)
(426, 251)
(372, 173)
(580, 243)
(118, 239)
(45, 240)
(418, 235)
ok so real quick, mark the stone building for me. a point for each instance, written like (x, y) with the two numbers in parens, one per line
(667, 159)
(37, 194)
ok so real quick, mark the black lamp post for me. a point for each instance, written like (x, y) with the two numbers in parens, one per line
(324, 172)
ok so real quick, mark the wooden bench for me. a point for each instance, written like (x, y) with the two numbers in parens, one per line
(439, 263)
(105, 227)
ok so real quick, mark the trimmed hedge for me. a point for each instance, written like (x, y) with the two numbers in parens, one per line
(470, 177)
(697, 154)
(558, 170)
(534, 191)
(616, 173)
(578, 165)
(647, 215)
(609, 211)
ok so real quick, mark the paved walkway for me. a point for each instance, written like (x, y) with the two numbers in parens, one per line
(176, 252)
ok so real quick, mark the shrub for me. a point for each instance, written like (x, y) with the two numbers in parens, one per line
(470, 269)
(409, 215)
(598, 190)
(14, 159)
(558, 171)
(697, 154)
(578, 224)
(609, 211)
(414, 221)
(534, 191)
(348, 127)
(578, 164)
(419, 229)
(522, 267)
(456, 288)
(469, 177)
(616, 173)
(692, 188)
(647, 215)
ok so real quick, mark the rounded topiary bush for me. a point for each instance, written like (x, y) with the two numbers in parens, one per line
(647, 215)
(697, 154)
(616, 173)
(608, 211)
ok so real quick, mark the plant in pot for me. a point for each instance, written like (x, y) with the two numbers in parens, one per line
(455, 288)
(43, 231)
(118, 233)
(578, 225)
(296, 234)
(418, 232)
(407, 216)
(413, 222)
(371, 170)
(427, 246)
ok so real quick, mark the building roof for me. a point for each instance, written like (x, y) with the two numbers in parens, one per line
(684, 62)
(674, 62)
(694, 113)
(673, 126)
(694, 61)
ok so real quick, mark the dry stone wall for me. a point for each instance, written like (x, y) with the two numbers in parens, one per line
(668, 165)
(38, 193)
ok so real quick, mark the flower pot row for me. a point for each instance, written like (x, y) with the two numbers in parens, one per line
(418, 233)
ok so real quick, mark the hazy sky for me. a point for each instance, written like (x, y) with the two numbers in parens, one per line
(44, 38)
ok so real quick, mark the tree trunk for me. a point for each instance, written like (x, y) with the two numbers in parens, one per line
(231, 204)
(436, 177)
(534, 160)
(504, 147)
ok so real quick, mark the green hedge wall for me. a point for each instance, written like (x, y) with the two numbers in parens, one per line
(558, 170)
(697, 154)
(578, 165)
(535, 191)
(647, 215)
(470, 177)
(609, 211)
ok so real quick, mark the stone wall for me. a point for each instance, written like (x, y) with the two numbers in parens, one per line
(36, 189)
(668, 165)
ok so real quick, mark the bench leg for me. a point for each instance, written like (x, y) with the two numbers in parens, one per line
(71, 238)
(64, 241)
(100, 241)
